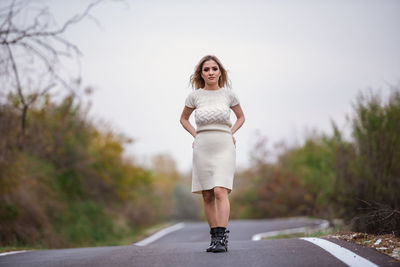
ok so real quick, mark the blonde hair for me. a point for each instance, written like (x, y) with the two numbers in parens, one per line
(198, 82)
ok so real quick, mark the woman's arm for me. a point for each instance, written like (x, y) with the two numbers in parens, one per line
(185, 120)
(239, 118)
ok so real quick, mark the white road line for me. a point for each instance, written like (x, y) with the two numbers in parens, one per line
(12, 252)
(160, 234)
(323, 224)
(343, 254)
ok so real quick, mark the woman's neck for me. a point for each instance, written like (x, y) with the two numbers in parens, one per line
(211, 87)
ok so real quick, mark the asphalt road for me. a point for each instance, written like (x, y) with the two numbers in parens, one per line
(186, 247)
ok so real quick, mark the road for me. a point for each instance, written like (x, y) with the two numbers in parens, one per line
(186, 247)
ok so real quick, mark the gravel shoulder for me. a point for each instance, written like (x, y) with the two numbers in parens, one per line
(387, 244)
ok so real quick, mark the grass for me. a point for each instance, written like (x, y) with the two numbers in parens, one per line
(126, 240)
(144, 232)
(310, 233)
(20, 247)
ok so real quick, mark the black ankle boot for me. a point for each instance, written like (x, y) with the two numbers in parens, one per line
(221, 243)
(213, 233)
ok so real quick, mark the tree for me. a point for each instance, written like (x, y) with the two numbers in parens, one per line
(31, 49)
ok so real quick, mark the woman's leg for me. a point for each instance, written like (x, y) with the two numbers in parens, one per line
(223, 206)
(210, 208)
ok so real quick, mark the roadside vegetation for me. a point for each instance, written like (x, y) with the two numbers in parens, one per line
(357, 180)
(71, 184)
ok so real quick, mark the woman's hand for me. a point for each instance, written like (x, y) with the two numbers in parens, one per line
(193, 141)
(234, 140)
(185, 120)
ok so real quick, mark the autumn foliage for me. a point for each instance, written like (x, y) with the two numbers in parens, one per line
(331, 177)
(69, 182)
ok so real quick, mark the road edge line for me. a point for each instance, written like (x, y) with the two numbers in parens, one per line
(159, 234)
(12, 252)
(343, 254)
(323, 224)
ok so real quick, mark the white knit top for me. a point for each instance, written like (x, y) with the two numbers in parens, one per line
(212, 108)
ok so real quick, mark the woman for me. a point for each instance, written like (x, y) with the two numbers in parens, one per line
(214, 146)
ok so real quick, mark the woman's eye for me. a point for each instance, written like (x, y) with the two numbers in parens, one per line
(206, 69)
(215, 69)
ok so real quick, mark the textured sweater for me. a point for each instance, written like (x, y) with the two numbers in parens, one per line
(212, 108)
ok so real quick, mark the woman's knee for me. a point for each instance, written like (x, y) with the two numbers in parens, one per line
(220, 192)
(208, 196)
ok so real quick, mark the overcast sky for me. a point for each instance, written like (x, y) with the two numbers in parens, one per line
(293, 64)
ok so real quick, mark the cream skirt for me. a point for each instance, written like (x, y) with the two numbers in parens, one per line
(214, 160)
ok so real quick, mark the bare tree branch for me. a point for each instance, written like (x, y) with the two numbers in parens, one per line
(16, 74)
(34, 50)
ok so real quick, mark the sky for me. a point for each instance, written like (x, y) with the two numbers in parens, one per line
(295, 65)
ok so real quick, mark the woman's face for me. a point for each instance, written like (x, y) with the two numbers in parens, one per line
(210, 72)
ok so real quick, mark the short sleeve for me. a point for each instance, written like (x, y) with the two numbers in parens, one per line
(234, 99)
(189, 102)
